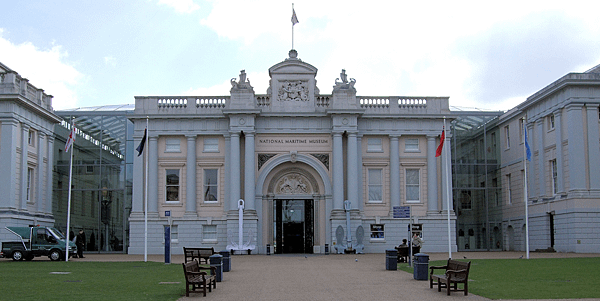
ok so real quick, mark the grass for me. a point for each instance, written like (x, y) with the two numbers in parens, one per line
(90, 280)
(558, 278)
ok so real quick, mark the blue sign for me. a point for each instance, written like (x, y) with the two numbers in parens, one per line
(401, 211)
(168, 213)
(168, 243)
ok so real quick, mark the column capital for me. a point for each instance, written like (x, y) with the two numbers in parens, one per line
(191, 136)
(394, 137)
(557, 112)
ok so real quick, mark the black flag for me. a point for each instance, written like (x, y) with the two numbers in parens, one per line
(140, 147)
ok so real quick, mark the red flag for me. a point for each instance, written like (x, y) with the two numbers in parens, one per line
(438, 152)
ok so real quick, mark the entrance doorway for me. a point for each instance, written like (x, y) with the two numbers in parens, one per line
(294, 226)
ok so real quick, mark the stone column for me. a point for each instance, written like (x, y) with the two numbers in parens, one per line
(234, 180)
(541, 158)
(49, 168)
(394, 172)
(227, 170)
(559, 151)
(446, 174)
(40, 188)
(23, 163)
(352, 177)
(190, 200)
(593, 148)
(249, 173)
(359, 164)
(153, 175)
(432, 177)
(338, 172)
(139, 181)
(576, 151)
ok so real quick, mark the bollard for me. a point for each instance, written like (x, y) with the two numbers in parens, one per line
(268, 249)
(326, 249)
(391, 260)
(421, 266)
(216, 261)
(226, 260)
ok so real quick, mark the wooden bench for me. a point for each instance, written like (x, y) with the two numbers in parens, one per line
(455, 272)
(198, 279)
(199, 254)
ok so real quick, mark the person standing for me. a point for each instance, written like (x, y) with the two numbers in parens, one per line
(80, 242)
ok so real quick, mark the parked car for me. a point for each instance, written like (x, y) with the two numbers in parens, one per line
(37, 241)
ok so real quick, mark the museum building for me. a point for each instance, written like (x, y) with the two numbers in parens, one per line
(316, 172)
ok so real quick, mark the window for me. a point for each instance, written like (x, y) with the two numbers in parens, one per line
(508, 189)
(493, 142)
(507, 133)
(172, 185)
(375, 185)
(551, 122)
(465, 200)
(374, 145)
(209, 233)
(89, 169)
(411, 145)
(211, 187)
(495, 195)
(554, 175)
(31, 138)
(211, 145)
(412, 185)
(172, 145)
(29, 183)
(377, 231)
(521, 130)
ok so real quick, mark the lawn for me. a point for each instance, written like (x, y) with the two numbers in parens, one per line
(557, 278)
(46, 280)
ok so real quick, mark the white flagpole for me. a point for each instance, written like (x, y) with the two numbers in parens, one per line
(293, 28)
(448, 188)
(525, 187)
(146, 196)
(68, 238)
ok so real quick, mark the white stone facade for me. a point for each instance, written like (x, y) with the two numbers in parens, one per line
(26, 148)
(290, 147)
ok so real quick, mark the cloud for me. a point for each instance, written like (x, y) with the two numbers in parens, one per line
(258, 80)
(45, 69)
(181, 6)
(110, 61)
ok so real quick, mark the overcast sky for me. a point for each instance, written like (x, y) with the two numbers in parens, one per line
(490, 56)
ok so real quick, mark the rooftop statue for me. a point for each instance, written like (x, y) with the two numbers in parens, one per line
(243, 83)
(344, 84)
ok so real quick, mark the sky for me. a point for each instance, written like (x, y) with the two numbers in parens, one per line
(480, 54)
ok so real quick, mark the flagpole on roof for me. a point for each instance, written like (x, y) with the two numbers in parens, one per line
(526, 157)
(294, 22)
(449, 190)
(69, 148)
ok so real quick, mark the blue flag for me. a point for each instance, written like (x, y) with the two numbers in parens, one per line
(527, 148)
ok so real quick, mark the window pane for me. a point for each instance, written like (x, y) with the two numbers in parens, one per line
(375, 176)
(411, 144)
(211, 187)
(172, 176)
(211, 144)
(374, 144)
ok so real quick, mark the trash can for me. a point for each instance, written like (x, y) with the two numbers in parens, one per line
(216, 261)
(226, 260)
(421, 266)
(391, 260)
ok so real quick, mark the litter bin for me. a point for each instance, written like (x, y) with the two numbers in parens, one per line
(391, 260)
(421, 266)
(226, 260)
(216, 261)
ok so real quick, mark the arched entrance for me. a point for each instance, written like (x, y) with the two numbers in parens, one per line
(294, 204)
